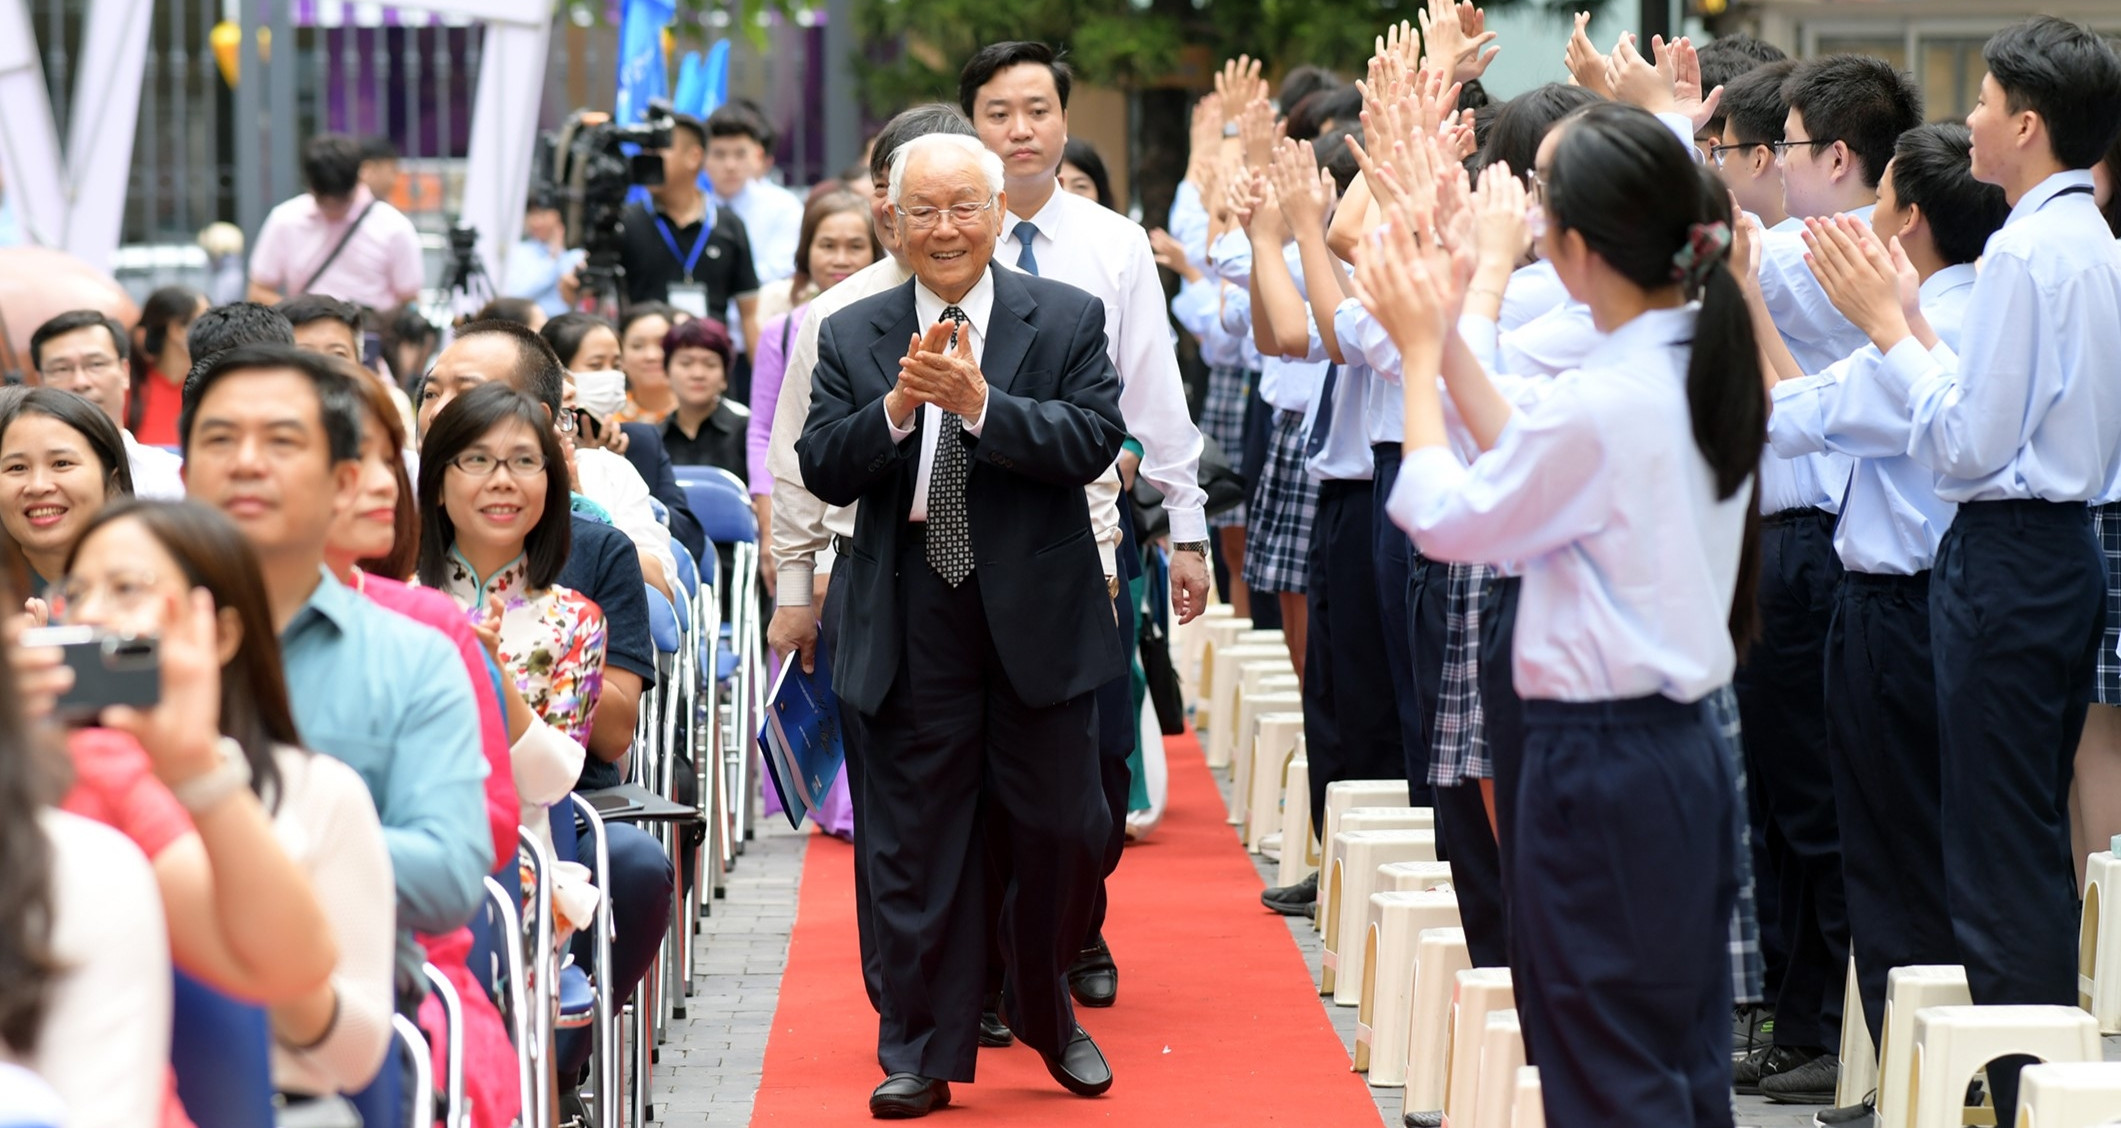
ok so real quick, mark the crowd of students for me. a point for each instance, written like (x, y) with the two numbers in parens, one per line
(1705, 375)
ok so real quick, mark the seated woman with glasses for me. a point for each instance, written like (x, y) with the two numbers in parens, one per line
(494, 534)
(316, 879)
(61, 460)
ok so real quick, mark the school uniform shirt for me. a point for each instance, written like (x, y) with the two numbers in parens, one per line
(1893, 518)
(1531, 291)
(1102, 252)
(1364, 343)
(1818, 337)
(1548, 345)
(1198, 309)
(1631, 559)
(1234, 321)
(2026, 407)
(1188, 223)
(1338, 407)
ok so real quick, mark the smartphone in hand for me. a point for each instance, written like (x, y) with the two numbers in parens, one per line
(109, 669)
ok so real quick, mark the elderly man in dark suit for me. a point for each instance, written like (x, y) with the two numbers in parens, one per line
(965, 411)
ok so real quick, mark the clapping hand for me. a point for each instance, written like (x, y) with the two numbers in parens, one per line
(1586, 63)
(1258, 130)
(1239, 84)
(1670, 82)
(1501, 231)
(1305, 190)
(1408, 282)
(1453, 38)
(934, 372)
(1872, 285)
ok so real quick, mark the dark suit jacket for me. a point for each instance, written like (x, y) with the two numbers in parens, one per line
(1053, 426)
(645, 449)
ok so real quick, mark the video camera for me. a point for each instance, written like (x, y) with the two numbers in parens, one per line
(587, 163)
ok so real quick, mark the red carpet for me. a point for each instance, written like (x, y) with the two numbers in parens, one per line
(1217, 1023)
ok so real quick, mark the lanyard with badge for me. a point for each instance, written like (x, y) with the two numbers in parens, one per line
(688, 296)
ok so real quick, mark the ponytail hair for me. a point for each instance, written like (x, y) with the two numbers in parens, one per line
(1622, 180)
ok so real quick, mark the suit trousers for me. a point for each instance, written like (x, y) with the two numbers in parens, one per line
(851, 734)
(1620, 905)
(1351, 722)
(1392, 556)
(1501, 709)
(1462, 829)
(2017, 610)
(1118, 723)
(1782, 704)
(1881, 712)
(957, 766)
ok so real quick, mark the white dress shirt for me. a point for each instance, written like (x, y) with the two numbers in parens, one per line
(978, 306)
(1631, 558)
(1818, 337)
(773, 221)
(158, 474)
(803, 526)
(1892, 520)
(612, 482)
(1532, 290)
(1098, 250)
(2027, 406)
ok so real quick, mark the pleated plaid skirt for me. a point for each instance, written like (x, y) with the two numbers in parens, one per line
(2106, 524)
(1748, 967)
(1284, 502)
(1222, 418)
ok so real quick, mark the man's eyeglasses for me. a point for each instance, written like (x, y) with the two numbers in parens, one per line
(1782, 148)
(1717, 152)
(93, 366)
(924, 216)
(480, 465)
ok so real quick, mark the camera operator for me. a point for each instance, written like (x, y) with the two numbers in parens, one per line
(688, 251)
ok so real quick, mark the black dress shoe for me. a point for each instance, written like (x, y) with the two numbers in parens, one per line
(904, 1096)
(1081, 1067)
(1093, 978)
(993, 1032)
(1762, 1064)
(1293, 900)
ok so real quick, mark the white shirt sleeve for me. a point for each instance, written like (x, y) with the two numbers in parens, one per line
(104, 1042)
(1152, 395)
(617, 486)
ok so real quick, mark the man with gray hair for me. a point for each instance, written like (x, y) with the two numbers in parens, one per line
(966, 410)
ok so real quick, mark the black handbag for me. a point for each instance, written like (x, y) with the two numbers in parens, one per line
(1225, 487)
(1165, 694)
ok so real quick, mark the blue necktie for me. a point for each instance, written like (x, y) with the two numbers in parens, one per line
(1025, 232)
(1322, 423)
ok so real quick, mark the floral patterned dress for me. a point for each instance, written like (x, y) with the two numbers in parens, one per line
(552, 641)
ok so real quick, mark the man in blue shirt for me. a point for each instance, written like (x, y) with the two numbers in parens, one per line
(2022, 425)
(270, 438)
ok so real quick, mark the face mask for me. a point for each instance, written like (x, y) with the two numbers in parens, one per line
(600, 393)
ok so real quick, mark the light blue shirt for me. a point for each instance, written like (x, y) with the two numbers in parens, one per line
(534, 273)
(1892, 518)
(1818, 337)
(1345, 456)
(1189, 223)
(773, 221)
(391, 699)
(2027, 406)
(1631, 560)
(1198, 310)
(1363, 341)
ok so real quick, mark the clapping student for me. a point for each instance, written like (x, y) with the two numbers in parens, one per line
(2022, 430)
(1882, 709)
(1625, 492)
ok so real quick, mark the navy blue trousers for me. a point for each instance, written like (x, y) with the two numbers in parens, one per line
(1620, 904)
(1392, 556)
(1782, 703)
(2017, 610)
(1881, 709)
(1351, 723)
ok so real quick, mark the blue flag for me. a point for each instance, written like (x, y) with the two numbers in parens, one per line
(641, 70)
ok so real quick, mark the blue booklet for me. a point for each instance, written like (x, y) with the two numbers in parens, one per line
(800, 740)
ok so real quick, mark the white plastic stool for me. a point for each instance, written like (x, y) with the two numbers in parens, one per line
(1908, 990)
(1528, 1109)
(1299, 854)
(1954, 1043)
(1370, 818)
(2072, 1094)
(1495, 1086)
(1215, 634)
(1273, 746)
(1481, 991)
(1413, 877)
(1230, 662)
(1859, 1055)
(1188, 640)
(1385, 1013)
(2099, 943)
(1343, 796)
(1253, 704)
(1353, 878)
(1439, 955)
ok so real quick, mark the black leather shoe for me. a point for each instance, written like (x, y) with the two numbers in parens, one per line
(1762, 1064)
(1299, 899)
(993, 1032)
(905, 1096)
(1093, 978)
(1081, 1067)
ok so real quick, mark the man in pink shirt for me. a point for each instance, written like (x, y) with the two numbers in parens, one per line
(337, 239)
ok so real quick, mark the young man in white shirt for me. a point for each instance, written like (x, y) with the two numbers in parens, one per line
(84, 351)
(739, 152)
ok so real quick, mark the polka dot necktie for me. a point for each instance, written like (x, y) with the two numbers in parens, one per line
(949, 530)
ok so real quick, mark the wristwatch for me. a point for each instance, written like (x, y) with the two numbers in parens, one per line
(1190, 546)
(232, 774)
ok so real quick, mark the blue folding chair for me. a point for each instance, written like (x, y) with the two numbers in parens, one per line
(661, 511)
(723, 507)
(221, 1053)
